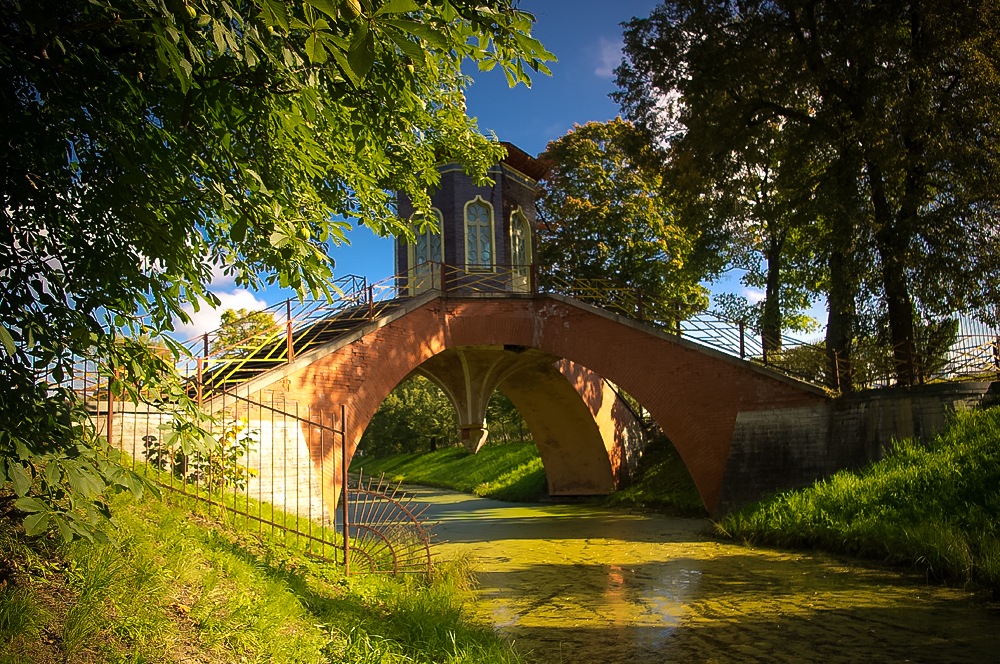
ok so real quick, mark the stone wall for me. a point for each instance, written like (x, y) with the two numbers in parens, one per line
(776, 450)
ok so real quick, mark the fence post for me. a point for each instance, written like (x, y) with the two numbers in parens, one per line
(677, 319)
(638, 297)
(371, 303)
(289, 345)
(533, 271)
(996, 355)
(205, 344)
(111, 408)
(201, 375)
(743, 352)
(343, 484)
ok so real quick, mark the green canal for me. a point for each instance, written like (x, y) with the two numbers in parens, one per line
(572, 583)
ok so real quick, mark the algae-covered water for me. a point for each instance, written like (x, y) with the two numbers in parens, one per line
(573, 583)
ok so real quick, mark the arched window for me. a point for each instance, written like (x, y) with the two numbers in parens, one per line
(520, 252)
(426, 255)
(479, 235)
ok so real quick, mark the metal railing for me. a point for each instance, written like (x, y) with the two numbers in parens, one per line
(277, 467)
(972, 354)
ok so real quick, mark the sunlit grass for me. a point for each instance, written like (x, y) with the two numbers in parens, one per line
(511, 471)
(185, 587)
(936, 507)
(514, 472)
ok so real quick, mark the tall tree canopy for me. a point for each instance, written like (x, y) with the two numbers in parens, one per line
(144, 141)
(602, 216)
(897, 103)
(242, 331)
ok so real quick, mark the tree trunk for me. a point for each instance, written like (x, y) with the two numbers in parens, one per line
(840, 323)
(844, 277)
(893, 245)
(770, 320)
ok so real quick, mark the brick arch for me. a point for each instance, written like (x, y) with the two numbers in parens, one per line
(692, 392)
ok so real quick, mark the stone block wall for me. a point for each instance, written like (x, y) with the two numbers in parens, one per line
(776, 450)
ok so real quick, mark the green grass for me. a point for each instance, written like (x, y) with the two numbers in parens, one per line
(510, 472)
(183, 587)
(936, 507)
(514, 472)
(661, 483)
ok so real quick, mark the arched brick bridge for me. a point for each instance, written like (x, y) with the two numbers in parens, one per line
(548, 353)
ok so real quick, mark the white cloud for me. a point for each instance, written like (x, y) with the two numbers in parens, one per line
(220, 280)
(753, 296)
(207, 319)
(609, 56)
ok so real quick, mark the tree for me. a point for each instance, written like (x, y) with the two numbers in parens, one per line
(602, 216)
(144, 142)
(242, 332)
(504, 421)
(415, 416)
(758, 199)
(896, 101)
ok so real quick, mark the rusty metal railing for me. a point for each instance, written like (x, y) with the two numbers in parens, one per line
(972, 355)
(273, 465)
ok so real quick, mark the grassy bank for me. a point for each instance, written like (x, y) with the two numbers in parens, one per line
(514, 472)
(936, 507)
(504, 472)
(182, 588)
(661, 483)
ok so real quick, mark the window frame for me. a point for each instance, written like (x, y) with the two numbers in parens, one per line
(411, 251)
(479, 267)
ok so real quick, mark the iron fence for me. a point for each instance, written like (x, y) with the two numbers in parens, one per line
(270, 465)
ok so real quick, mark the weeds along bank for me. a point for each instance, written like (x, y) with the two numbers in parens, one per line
(936, 507)
(180, 588)
(511, 471)
(514, 472)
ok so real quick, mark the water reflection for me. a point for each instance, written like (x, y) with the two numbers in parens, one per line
(576, 584)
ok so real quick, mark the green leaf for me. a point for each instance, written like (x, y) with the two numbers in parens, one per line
(35, 524)
(314, 48)
(239, 230)
(20, 479)
(278, 239)
(83, 481)
(408, 47)
(64, 528)
(7, 340)
(275, 13)
(398, 7)
(345, 67)
(52, 473)
(362, 54)
(430, 35)
(328, 7)
(30, 505)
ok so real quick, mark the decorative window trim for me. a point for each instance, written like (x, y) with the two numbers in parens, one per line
(465, 237)
(521, 282)
(411, 248)
(527, 226)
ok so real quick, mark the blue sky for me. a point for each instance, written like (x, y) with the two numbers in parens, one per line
(585, 36)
